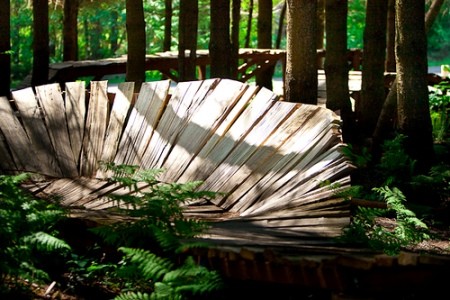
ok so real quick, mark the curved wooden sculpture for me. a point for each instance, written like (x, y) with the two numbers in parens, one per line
(269, 157)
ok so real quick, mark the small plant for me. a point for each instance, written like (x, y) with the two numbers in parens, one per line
(27, 229)
(439, 108)
(153, 235)
(367, 228)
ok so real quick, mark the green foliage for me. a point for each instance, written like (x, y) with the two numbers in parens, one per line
(157, 227)
(28, 228)
(440, 108)
(367, 229)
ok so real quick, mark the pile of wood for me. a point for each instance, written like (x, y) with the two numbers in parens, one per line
(279, 165)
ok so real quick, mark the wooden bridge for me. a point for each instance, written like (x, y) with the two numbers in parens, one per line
(270, 159)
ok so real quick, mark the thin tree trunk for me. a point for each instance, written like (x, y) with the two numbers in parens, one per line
(412, 91)
(187, 33)
(301, 57)
(235, 20)
(336, 67)
(372, 85)
(264, 79)
(390, 38)
(70, 30)
(5, 47)
(281, 25)
(220, 44)
(249, 24)
(41, 51)
(168, 25)
(387, 118)
(114, 40)
(136, 43)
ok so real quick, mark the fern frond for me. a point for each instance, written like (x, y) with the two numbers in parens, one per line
(133, 296)
(152, 266)
(46, 242)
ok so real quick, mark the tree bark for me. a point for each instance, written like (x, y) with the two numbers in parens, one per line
(264, 79)
(372, 85)
(235, 20)
(412, 87)
(301, 54)
(220, 44)
(281, 25)
(70, 30)
(136, 43)
(5, 48)
(249, 24)
(336, 68)
(390, 38)
(387, 118)
(41, 50)
(187, 33)
(168, 25)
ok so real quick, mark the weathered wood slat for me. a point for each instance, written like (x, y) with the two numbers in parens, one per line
(33, 121)
(6, 161)
(119, 112)
(52, 103)
(75, 101)
(95, 129)
(204, 120)
(21, 147)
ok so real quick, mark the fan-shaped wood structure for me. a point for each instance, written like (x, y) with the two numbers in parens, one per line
(269, 158)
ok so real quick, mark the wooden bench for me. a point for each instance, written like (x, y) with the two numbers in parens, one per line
(270, 158)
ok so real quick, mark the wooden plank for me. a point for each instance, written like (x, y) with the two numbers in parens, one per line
(6, 161)
(204, 121)
(75, 115)
(234, 169)
(95, 129)
(176, 116)
(21, 148)
(119, 112)
(33, 121)
(245, 113)
(52, 103)
(143, 119)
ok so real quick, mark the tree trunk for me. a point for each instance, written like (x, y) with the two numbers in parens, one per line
(114, 40)
(264, 79)
(220, 44)
(387, 118)
(168, 25)
(372, 85)
(301, 57)
(41, 50)
(412, 89)
(235, 20)
(281, 25)
(5, 48)
(320, 31)
(136, 43)
(187, 33)
(390, 38)
(249, 24)
(336, 68)
(70, 30)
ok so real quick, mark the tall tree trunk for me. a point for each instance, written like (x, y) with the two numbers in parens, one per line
(41, 51)
(387, 118)
(235, 20)
(320, 30)
(336, 68)
(372, 85)
(220, 44)
(281, 30)
(412, 90)
(70, 30)
(390, 38)
(95, 38)
(249, 24)
(114, 39)
(264, 79)
(136, 43)
(301, 57)
(168, 25)
(5, 47)
(187, 32)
